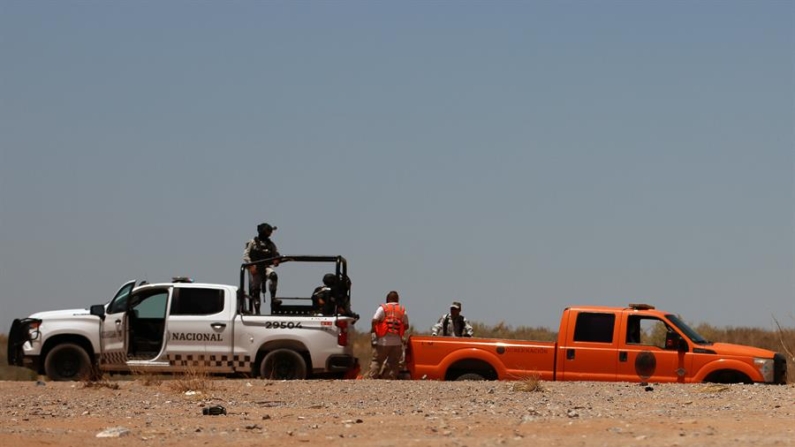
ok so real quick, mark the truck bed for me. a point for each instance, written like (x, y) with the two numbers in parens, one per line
(450, 358)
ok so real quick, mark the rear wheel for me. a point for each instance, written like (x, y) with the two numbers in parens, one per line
(470, 376)
(67, 361)
(283, 364)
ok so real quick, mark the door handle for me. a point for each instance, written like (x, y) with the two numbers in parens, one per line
(622, 356)
(217, 326)
(570, 354)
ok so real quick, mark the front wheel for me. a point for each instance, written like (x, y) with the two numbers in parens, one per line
(67, 361)
(283, 364)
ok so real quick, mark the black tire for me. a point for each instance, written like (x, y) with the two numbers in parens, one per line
(67, 361)
(283, 364)
(470, 376)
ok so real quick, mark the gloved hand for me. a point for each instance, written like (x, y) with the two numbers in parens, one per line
(373, 339)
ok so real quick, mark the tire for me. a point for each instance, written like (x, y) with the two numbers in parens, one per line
(283, 364)
(470, 376)
(67, 361)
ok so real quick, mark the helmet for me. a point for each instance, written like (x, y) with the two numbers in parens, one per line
(329, 279)
(264, 230)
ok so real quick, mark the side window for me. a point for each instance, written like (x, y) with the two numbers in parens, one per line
(648, 331)
(119, 302)
(595, 327)
(151, 306)
(190, 301)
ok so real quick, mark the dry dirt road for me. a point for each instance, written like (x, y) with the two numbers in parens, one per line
(405, 413)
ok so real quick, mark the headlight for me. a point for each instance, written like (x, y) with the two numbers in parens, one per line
(765, 366)
(33, 330)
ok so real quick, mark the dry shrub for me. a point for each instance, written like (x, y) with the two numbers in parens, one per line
(787, 340)
(8, 372)
(362, 349)
(773, 340)
(95, 379)
(529, 384)
(193, 379)
(506, 331)
(714, 388)
(146, 378)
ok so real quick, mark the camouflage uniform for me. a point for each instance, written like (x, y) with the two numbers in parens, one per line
(450, 325)
(258, 249)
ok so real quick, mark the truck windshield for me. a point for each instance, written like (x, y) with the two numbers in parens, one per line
(690, 332)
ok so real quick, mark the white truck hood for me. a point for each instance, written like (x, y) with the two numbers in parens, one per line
(60, 314)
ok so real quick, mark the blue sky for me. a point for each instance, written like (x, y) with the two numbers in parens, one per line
(516, 156)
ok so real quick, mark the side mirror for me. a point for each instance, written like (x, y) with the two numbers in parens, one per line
(98, 310)
(682, 345)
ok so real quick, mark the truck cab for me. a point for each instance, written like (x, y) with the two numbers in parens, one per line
(182, 326)
(637, 343)
(640, 344)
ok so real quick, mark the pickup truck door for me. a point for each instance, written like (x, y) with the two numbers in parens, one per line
(589, 352)
(199, 334)
(648, 353)
(113, 331)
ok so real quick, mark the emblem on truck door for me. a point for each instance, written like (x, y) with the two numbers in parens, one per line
(645, 364)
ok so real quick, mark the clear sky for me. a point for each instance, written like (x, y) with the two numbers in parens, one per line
(516, 156)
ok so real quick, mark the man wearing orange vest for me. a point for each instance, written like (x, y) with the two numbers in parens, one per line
(388, 327)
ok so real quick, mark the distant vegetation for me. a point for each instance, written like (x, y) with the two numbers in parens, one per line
(779, 340)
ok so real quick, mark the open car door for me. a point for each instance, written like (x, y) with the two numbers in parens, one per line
(113, 330)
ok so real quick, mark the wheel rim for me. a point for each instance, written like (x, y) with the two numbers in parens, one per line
(283, 367)
(67, 364)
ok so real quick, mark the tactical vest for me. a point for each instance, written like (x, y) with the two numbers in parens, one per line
(458, 326)
(262, 250)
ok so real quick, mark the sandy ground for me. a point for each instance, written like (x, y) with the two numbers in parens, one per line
(388, 413)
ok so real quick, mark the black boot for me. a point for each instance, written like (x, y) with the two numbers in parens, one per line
(274, 301)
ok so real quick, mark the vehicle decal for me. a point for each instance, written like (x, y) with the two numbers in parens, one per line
(195, 336)
(283, 325)
(113, 358)
(239, 362)
(645, 364)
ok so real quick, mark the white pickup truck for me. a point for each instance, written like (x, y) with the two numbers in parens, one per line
(181, 326)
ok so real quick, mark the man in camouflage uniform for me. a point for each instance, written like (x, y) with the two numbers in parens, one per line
(453, 324)
(257, 249)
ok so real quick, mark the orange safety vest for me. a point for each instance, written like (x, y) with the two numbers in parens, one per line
(393, 320)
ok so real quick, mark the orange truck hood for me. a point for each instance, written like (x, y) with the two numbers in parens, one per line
(732, 349)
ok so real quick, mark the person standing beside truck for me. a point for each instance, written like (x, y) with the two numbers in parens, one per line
(387, 330)
(257, 249)
(453, 324)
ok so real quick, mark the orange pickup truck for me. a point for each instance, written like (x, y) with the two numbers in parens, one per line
(633, 344)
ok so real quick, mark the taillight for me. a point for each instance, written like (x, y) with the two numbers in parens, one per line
(342, 333)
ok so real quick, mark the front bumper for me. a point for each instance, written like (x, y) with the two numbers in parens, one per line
(779, 369)
(20, 334)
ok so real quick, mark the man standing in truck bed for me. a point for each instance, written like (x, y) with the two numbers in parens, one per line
(257, 249)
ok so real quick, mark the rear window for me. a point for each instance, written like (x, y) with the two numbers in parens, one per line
(595, 327)
(197, 301)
